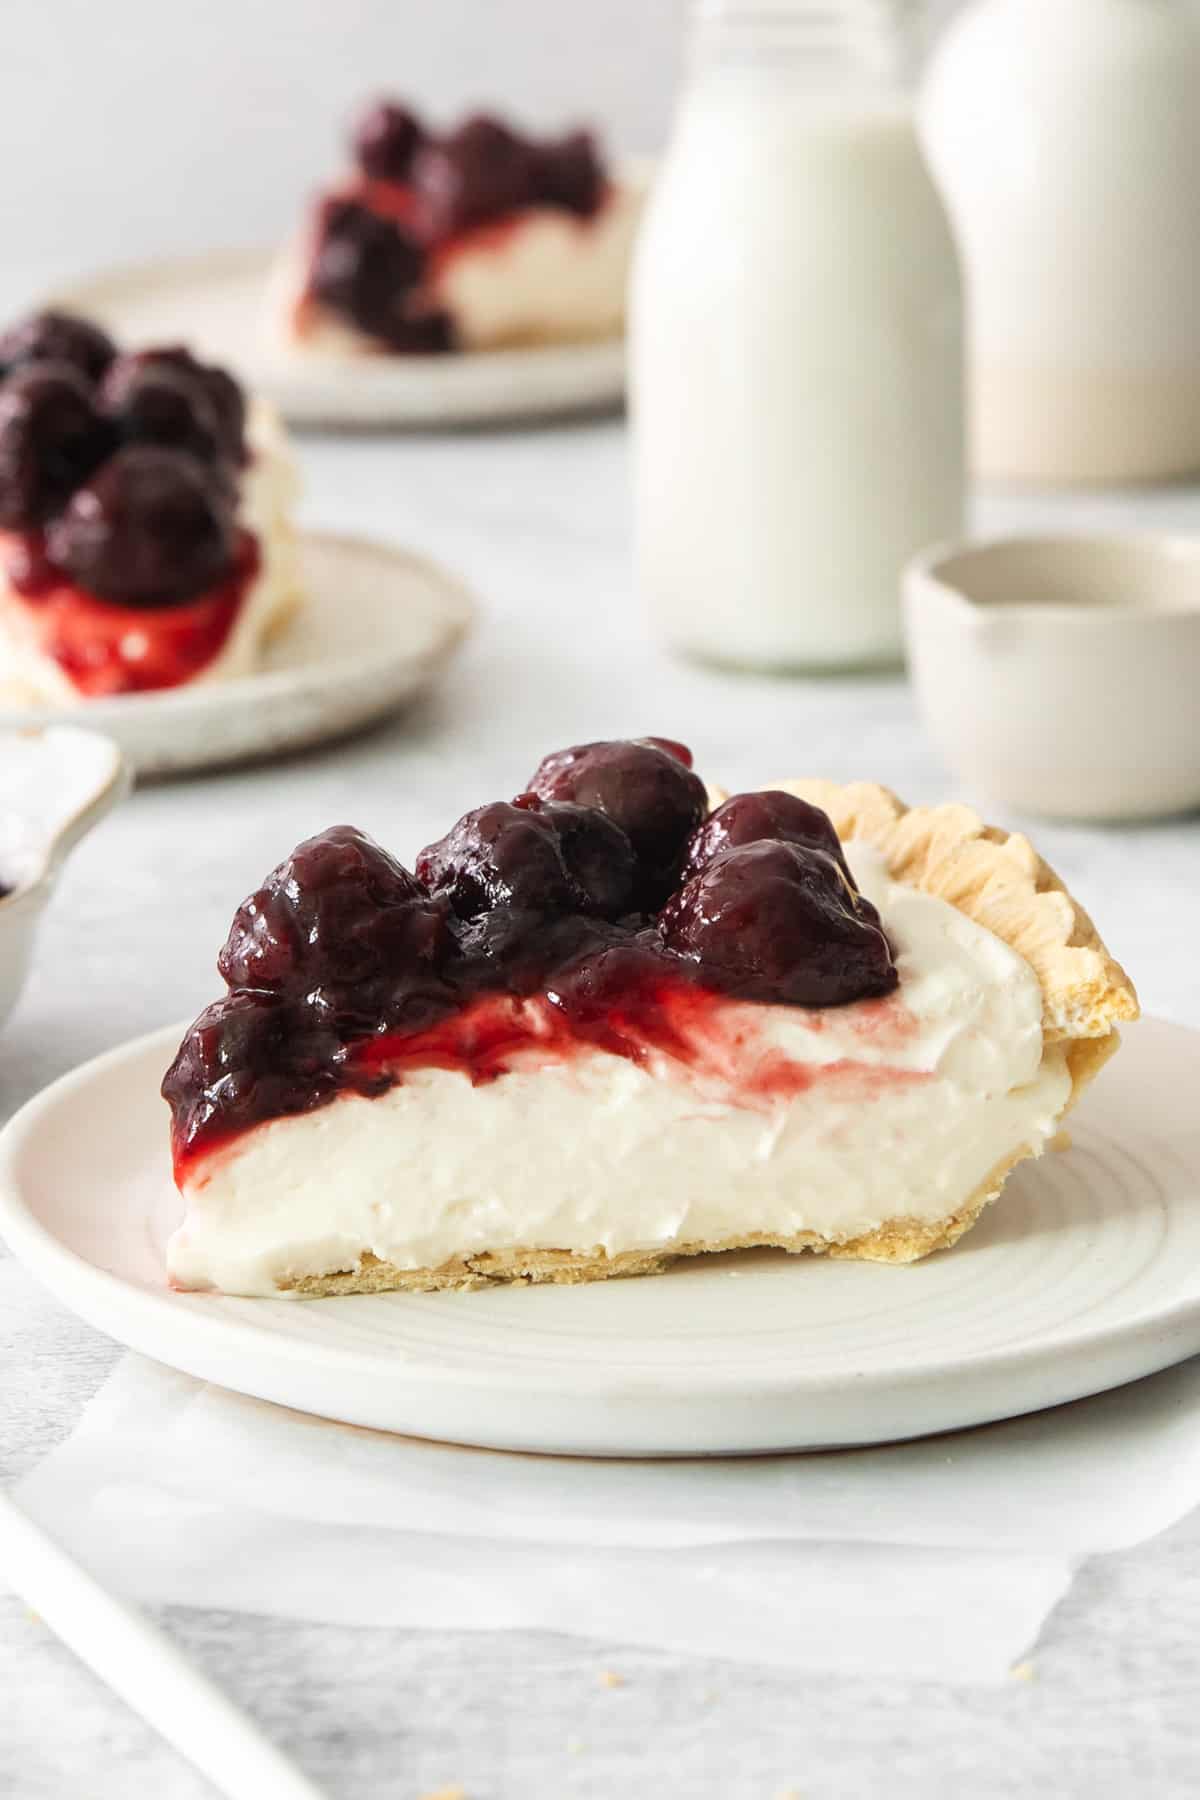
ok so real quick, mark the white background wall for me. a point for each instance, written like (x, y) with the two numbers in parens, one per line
(134, 127)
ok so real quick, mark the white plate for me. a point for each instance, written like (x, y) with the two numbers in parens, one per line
(1084, 1276)
(215, 303)
(377, 626)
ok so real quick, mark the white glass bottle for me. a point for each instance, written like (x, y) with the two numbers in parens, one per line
(796, 342)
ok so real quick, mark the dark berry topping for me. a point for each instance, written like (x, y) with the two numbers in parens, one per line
(250, 1057)
(752, 818)
(775, 922)
(480, 172)
(365, 267)
(531, 858)
(385, 140)
(598, 856)
(217, 399)
(57, 337)
(570, 174)
(646, 789)
(343, 926)
(423, 333)
(153, 527)
(166, 406)
(348, 972)
(51, 438)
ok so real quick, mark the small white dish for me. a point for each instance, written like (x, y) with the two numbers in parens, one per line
(1059, 675)
(55, 786)
(1084, 1275)
(215, 303)
(377, 626)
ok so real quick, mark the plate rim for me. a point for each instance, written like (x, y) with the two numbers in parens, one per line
(38, 1249)
(598, 363)
(463, 613)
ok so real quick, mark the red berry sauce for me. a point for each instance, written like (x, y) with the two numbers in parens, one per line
(104, 648)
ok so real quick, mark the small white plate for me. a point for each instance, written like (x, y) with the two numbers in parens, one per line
(377, 626)
(1085, 1275)
(215, 304)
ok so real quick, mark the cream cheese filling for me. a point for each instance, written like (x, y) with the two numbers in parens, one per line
(913, 1103)
(552, 278)
(267, 490)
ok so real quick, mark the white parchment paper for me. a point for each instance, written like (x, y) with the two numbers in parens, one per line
(939, 1559)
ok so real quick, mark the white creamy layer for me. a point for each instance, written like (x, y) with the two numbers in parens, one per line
(267, 491)
(928, 1097)
(552, 277)
(547, 278)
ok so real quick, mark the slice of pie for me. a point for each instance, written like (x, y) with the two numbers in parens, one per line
(145, 531)
(464, 240)
(610, 1024)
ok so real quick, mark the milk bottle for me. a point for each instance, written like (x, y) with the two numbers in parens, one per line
(796, 343)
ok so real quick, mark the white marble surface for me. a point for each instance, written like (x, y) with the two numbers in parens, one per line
(537, 523)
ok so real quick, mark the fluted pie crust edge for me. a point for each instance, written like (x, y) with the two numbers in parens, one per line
(995, 878)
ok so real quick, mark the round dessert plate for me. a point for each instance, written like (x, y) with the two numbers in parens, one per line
(376, 627)
(1085, 1274)
(217, 304)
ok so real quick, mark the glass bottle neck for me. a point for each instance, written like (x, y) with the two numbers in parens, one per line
(820, 43)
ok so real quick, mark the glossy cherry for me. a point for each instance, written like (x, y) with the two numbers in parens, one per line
(570, 174)
(478, 173)
(338, 912)
(51, 438)
(752, 818)
(365, 268)
(248, 1057)
(776, 922)
(533, 858)
(385, 140)
(645, 787)
(164, 405)
(53, 336)
(216, 396)
(151, 528)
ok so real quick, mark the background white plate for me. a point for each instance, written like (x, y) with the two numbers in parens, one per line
(377, 626)
(215, 304)
(1085, 1275)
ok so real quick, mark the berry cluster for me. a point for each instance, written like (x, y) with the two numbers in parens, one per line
(604, 883)
(121, 471)
(370, 262)
(478, 172)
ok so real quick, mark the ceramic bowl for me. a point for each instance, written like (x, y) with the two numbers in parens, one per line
(1059, 675)
(56, 783)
